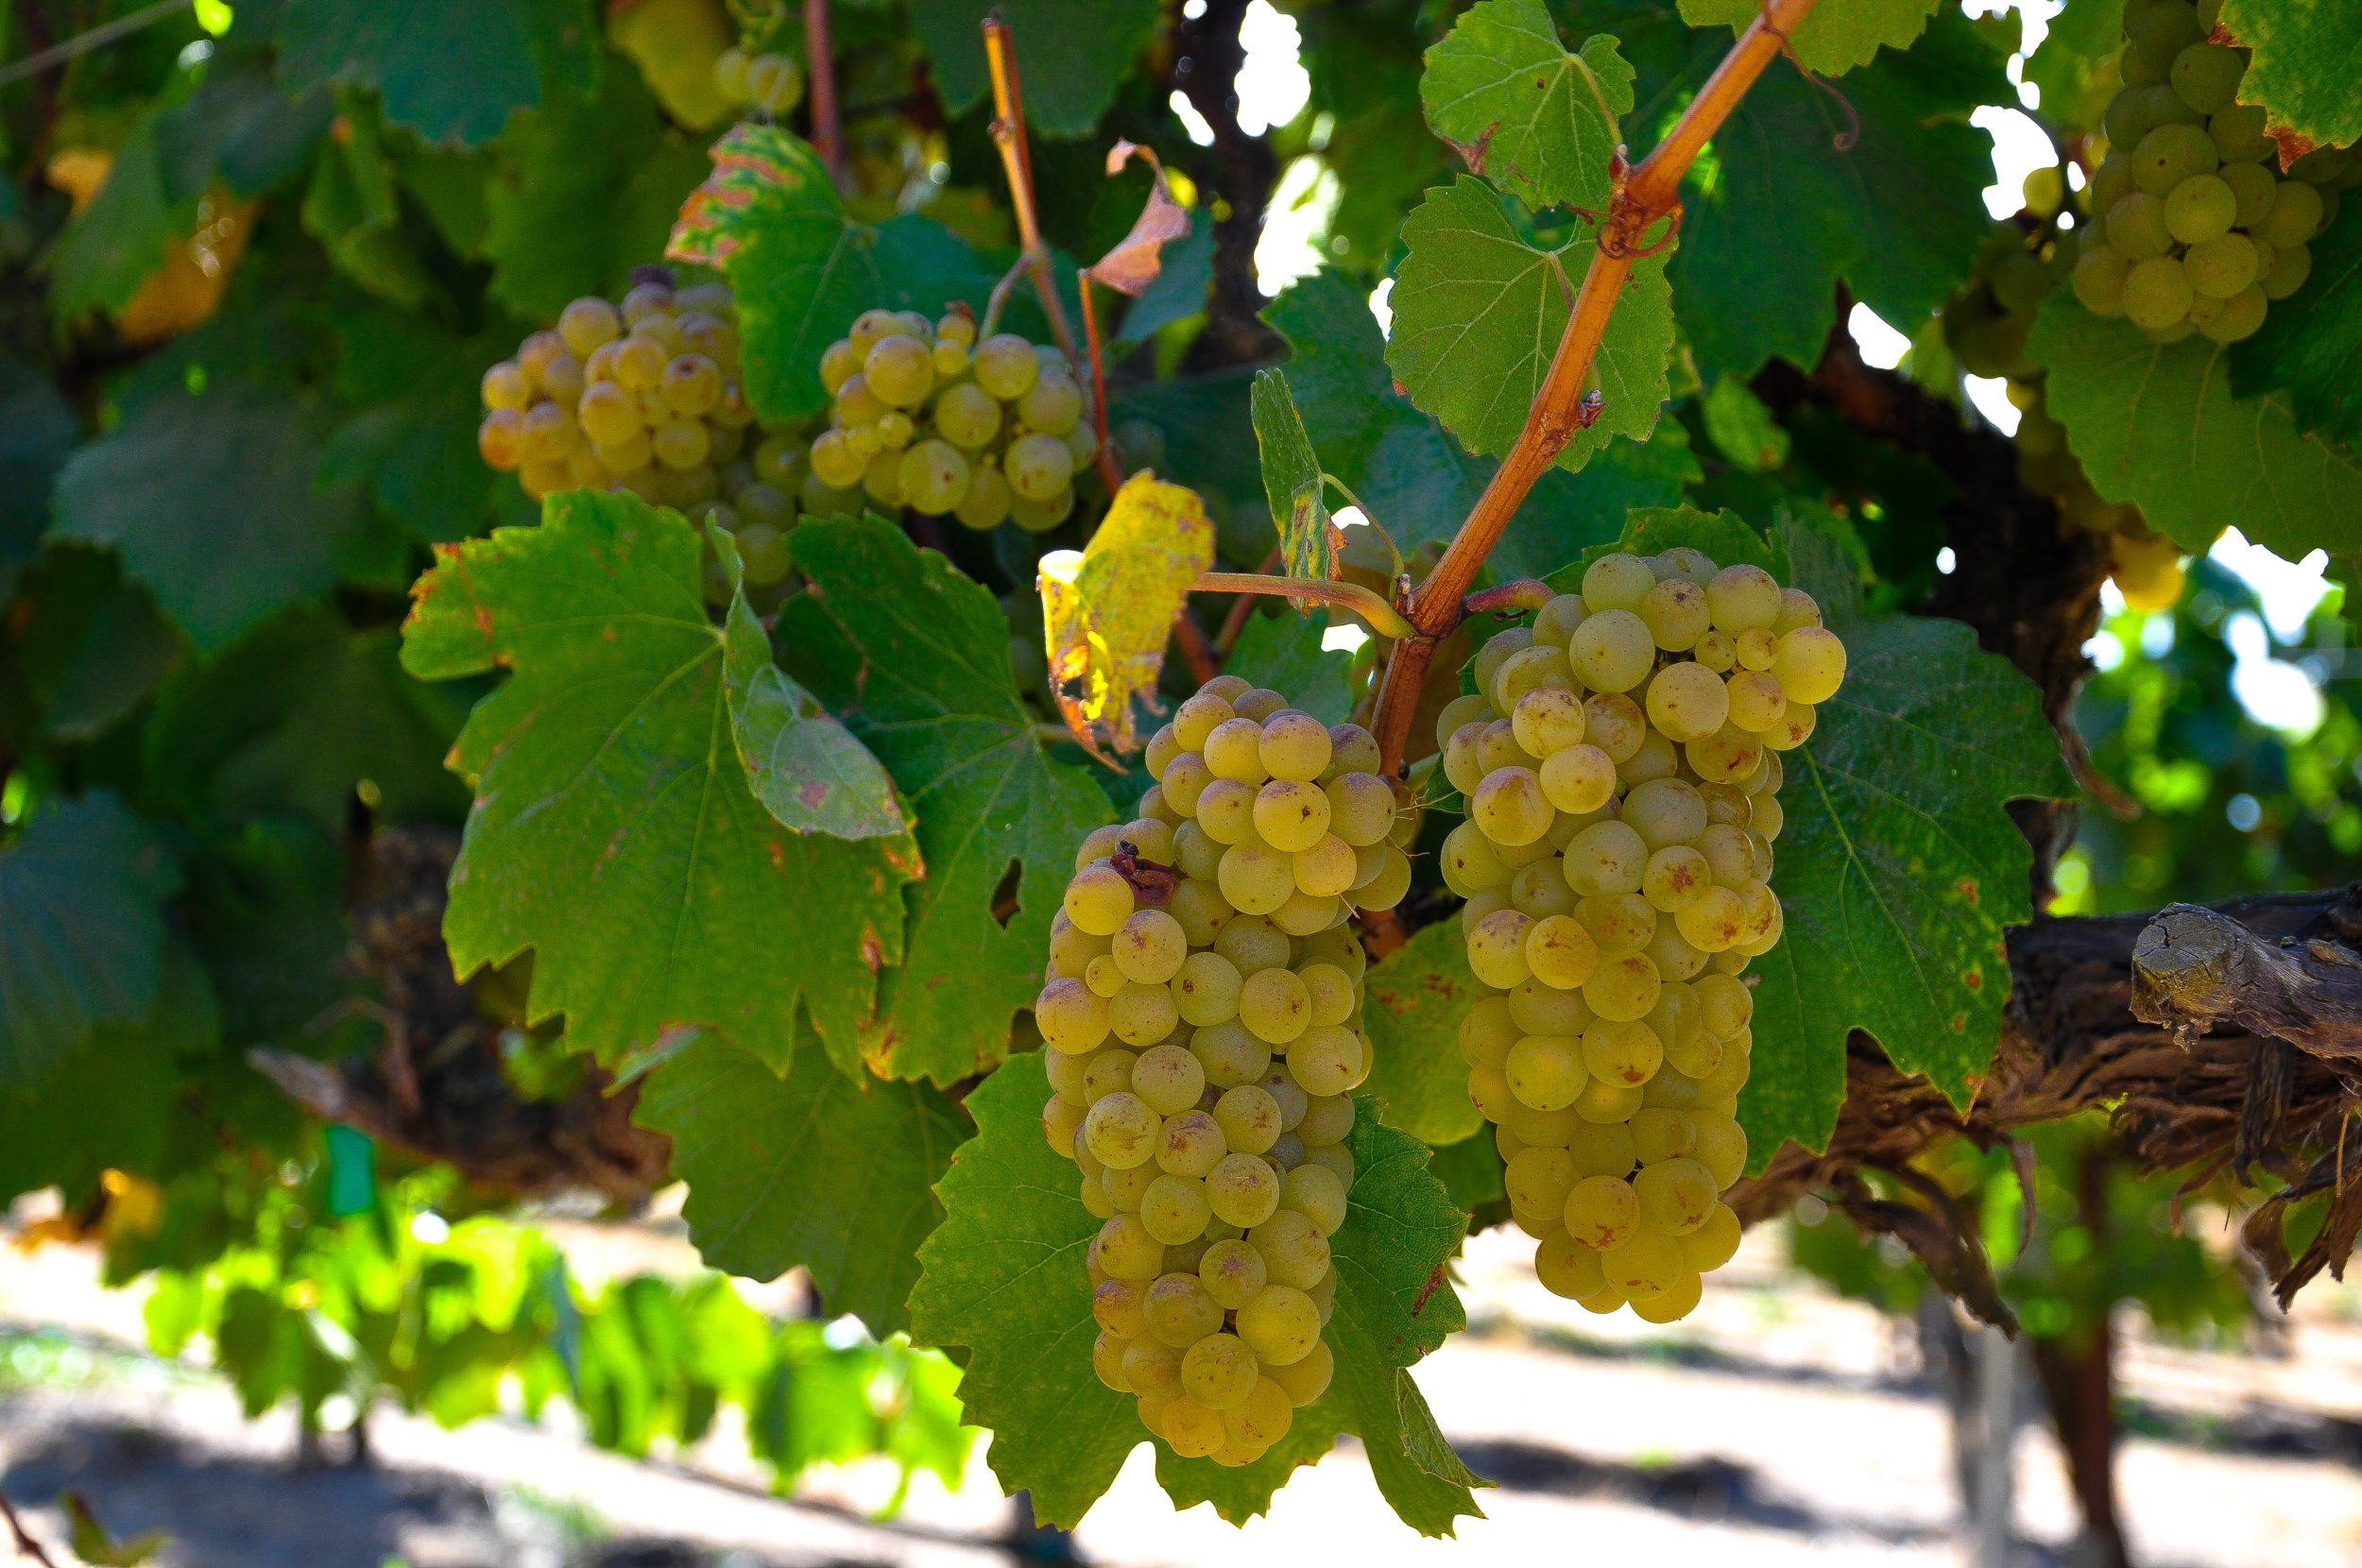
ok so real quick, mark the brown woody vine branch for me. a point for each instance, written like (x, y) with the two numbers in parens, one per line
(828, 131)
(1638, 202)
(1016, 161)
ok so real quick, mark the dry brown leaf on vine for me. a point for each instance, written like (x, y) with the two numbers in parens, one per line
(1132, 265)
(1108, 609)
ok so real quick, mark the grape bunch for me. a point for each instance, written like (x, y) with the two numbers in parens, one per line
(2193, 231)
(1617, 863)
(1203, 1015)
(926, 417)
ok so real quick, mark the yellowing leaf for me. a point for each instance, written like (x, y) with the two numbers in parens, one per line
(1107, 609)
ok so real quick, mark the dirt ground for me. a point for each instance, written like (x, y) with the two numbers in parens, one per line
(1777, 1425)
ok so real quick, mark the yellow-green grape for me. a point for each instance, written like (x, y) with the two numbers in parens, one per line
(1526, 669)
(1643, 1266)
(1194, 1431)
(895, 431)
(760, 503)
(2098, 279)
(967, 415)
(1665, 811)
(935, 476)
(1281, 1324)
(2170, 155)
(987, 503)
(1616, 581)
(1624, 988)
(1537, 1180)
(1098, 900)
(1541, 889)
(1676, 613)
(563, 380)
(1687, 702)
(1606, 857)
(1149, 946)
(1205, 989)
(1568, 1268)
(1332, 993)
(1712, 921)
(1361, 808)
(900, 372)
(681, 443)
(1675, 877)
(1486, 1033)
(1242, 1189)
(1388, 886)
(774, 83)
(1006, 366)
(1293, 1250)
(2137, 226)
(1618, 923)
(1038, 467)
(1497, 948)
(550, 432)
(2295, 216)
(1601, 1212)
(1252, 944)
(840, 362)
(1559, 952)
(1510, 807)
(1351, 750)
(1809, 664)
(1153, 1368)
(2252, 191)
(1714, 1244)
(1257, 879)
(2238, 133)
(1721, 1147)
(1578, 779)
(1294, 746)
(1191, 1142)
(1741, 597)
(1218, 1371)
(1498, 747)
(1757, 700)
(1257, 1421)
(588, 324)
(1328, 868)
(1546, 1071)
(1621, 1054)
(1177, 1309)
(607, 414)
(2291, 265)
(1276, 1006)
(1119, 1307)
(505, 386)
(1682, 561)
(1051, 404)
(1121, 1130)
(1675, 1302)
(691, 383)
(1497, 650)
(2199, 208)
(1234, 750)
(702, 332)
(1233, 1273)
(882, 479)
(1326, 1121)
(835, 463)
(1731, 753)
(1328, 1060)
(685, 489)
(2219, 268)
(2206, 75)
(1547, 720)
(1676, 1196)
(1612, 651)
(1175, 1210)
(762, 552)
(2229, 320)
(1661, 1134)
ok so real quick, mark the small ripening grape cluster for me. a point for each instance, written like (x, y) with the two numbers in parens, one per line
(1203, 1014)
(1617, 863)
(764, 81)
(926, 417)
(2193, 230)
(644, 396)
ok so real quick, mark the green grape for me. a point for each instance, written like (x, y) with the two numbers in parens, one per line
(1290, 815)
(900, 371)
(2207, 76)
(1229, 1054)
(1295, 746)
(1616, 581)
(1469, 863)
(1556, 621)
(2110, 182)
(691, 383)
(1351, 750)
(1006, 366)
(1174, 1211)
(1497, 650)
(1328, 868)
(2166, 157)
(1674, 877)
(883, 480)
(1510, 809)
(780, 460)
(1742, 596)
(2164, 107)
(1149, 948)
(1276, 1006)
(1361, 808)
(2044, 190)
(895, 431)
(1809, 664)
(1601, 1212)
(773, 82)
(967, 415)
(2218, 268)
(1539, 1180)
(935, 476)
(1487, 1032)
(1682, 561)
(2291, 265)
(1139, 1015)
(1037, 467)
(1676, 613)
(1606, 857)
(1659, 1134)
(2322, 166)
(1560, 953)
(1205, 989)
(1547, 720)
(682, 444)
(2161, 32)
(1615, 724)
(2137, 226)
(762, 552)
(1233, 1273)
(2126, 118)
(1498, 747)
(1623, 1054)
(2157, 293)
(2238, 134)
(1293, 1249)
(2295, 217)
(759, 503)
(1534, 667)
(1388, 887)
(1687, 702)
(1624, 990)
(1281, 1326)
(1721, 1148)
(2229, 320)
(1317, 1193)
(1051, 404)
(840, 362)
(1332, 993)
(1665, 811)
(1328, 1060)
(2020, 281)
(2201, 209)
(820, 499)
(1546, 1072)
(1497, 948)
(2253, 188)
(987, 503)
(1612, 651)
(685, 489)
(1541, 889)
(1619, 923)
(1121, 1130)
(834, 462)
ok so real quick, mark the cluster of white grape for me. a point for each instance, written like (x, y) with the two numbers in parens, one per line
(1197, 945)
(1616, 862)
(644, 396)
(2192, 230)
(926, 417)
(764, 80)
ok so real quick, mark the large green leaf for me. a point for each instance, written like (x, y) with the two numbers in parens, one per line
(813, 1168)
(1779, 212)
(2307, 66)
(1898, 868)
(1478, 312)
(81, 930)
(1280, 651)
(1071, 55)
(413, 441)
(2311, 343)
(1418, 994)
(451, 70)
(614, 832)
(2159, 426)
(915, 658)
(1836, 35)
(209, 499)
(236, 124)
(583, 191)
(1539, 121)
(1004, 1276)
(771, 219)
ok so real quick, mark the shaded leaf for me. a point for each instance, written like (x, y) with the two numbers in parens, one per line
(1836, 35)
(451, 70)
(1292, 481)
(1283, 653)
(2311, 342)
(1184, 271)
(1536, 120)
(1417, 995)
(1071, 55)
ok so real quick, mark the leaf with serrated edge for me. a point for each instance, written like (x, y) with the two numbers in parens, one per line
(1071, 55)
(1417, 995)
(1539, 121)
(2157, 425)
(916, 658)
(1291, 480)
(805, 767)
(614, 832)
(451, 70)
(1283, 653)
(2311, 342)
(1836, 35)
(1107, 611)
(1005, 1276)
(2306, 70)
(1727, 539)
(81, 930)
(1478, 313)
(814, 1169)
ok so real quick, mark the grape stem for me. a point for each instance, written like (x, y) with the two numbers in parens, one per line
(828, 131)
(1383, 618)
(1008, 134)
(1639, 201)
(1110, 475)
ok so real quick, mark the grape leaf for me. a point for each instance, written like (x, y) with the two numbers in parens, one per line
(1282, 651)
(1417, 995)
(2306, 70)
(1539, 121)
(770, 218)
(37, 431)
(294, 718)
(1835, 36)
(413, 440)
(1292, 481)
(351, 208)
(81, 930)
(2066, 66)
(116, 243)
(2311, 342)
(1004, 1276)
(1478, 313)
(91, 645)
(581, 192)
(1726, 537)
(805, 767)
(915, 658)
(1184, 271)
(614, 832)
(237, 124)
(451, 70)
(1897, 868)
(1778, 212)
(2159, 426)
(210, 498)
(1071, 55)
(1741, 428)
(1109, 610)
(812, 1169)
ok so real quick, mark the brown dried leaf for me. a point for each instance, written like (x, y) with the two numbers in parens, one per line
(1133, 264)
